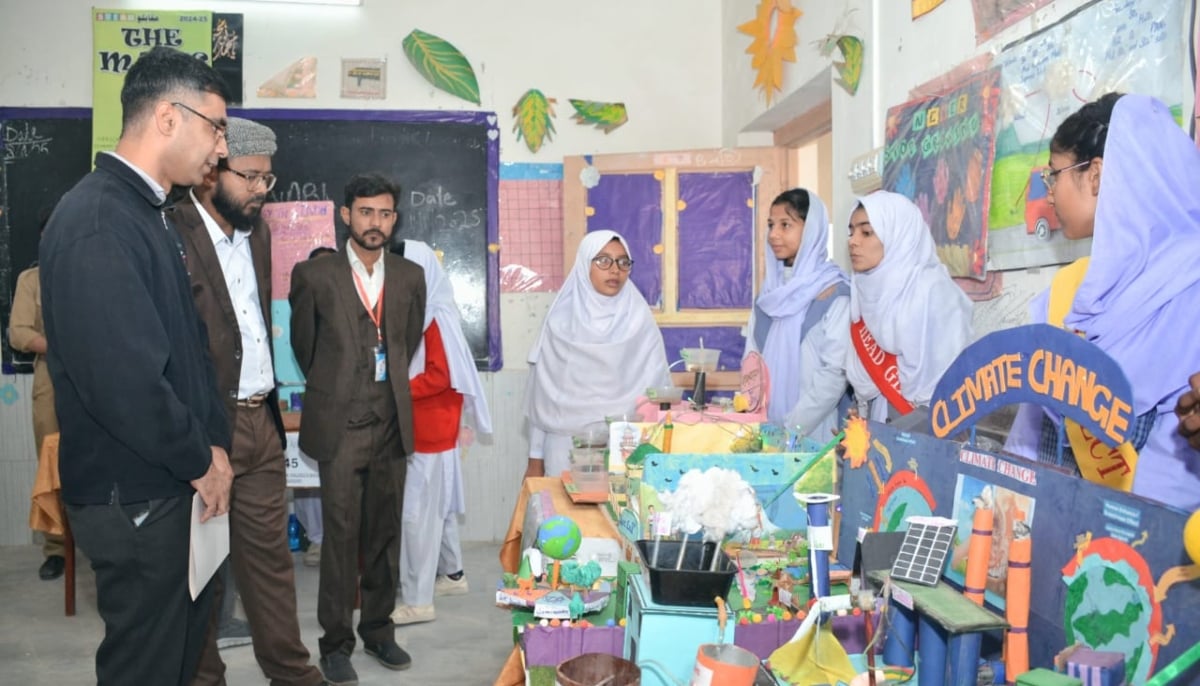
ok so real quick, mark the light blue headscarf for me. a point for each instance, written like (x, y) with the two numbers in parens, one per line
(1140, 299)
(787, 303)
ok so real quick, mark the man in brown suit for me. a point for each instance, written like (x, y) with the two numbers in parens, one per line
(27, 333)
(228, 249)
(353, 345)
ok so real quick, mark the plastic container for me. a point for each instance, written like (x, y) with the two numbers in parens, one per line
(700, 359)
(692, 586)
(665, 396)
(293, 533)
(588, 470)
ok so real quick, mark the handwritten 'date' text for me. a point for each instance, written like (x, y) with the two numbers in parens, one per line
(1046, 373)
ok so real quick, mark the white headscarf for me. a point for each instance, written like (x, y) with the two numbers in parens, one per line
(441, 307)
(596, 353)
(787, 303)
(908, 302)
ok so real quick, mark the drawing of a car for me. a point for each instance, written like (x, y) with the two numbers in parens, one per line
(1040, 219)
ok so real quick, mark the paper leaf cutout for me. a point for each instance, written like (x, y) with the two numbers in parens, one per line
(534, 113)
(850, 68)
(770, 49)
(442, 65)
(605, 115)
(299, 80)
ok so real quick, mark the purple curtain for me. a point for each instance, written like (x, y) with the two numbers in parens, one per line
(631, 205)
(716, 240)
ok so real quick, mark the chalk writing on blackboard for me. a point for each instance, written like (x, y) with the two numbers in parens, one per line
(22, 140)
(438, 209)
(299, 191)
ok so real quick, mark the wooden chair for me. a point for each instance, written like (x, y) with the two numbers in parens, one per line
(69, 569)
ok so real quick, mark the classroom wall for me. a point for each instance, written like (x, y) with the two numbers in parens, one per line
(900, 54)
(693, 88)
(661, 58)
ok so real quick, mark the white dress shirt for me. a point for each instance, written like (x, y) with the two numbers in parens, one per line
(371, 282)
(233, 253)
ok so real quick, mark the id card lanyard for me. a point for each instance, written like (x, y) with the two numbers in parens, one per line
(379, 352)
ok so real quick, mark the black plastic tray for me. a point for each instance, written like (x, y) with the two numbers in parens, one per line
(692, 586)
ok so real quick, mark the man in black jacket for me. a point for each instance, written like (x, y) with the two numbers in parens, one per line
(142, 425)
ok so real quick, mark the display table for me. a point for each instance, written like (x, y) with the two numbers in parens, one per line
(592, 522)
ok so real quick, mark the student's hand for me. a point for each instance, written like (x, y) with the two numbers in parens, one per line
(214, 486)
(535, 468)
(1188, 411)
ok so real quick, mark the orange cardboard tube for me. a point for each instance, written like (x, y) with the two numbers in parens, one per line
(978, 551)
(1016, 610)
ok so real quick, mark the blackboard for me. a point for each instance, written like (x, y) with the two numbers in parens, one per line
(44, 153)
(447, 164)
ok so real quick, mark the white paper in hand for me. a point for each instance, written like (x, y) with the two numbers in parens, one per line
(209, 547)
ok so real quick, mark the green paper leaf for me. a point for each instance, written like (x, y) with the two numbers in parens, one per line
(534, 113)
(605, 115)
(442, 65)
(849, 70)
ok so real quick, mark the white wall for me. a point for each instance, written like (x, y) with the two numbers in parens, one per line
(640, 53)
(661, 58)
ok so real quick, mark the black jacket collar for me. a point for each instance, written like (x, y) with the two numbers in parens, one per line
(121, 170)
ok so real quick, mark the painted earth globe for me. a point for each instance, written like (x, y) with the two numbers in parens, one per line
(559, 537)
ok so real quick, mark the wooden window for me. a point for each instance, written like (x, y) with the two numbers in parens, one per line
(695, 221)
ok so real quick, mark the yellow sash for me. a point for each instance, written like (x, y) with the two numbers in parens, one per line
(1098, 462)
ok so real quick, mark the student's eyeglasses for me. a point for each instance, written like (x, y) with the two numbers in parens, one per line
(217, 127)
(606, 262)
(252, 180)
(1050, 174)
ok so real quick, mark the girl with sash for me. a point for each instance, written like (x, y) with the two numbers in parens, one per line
(1124, 173)
(599, 350)
(798, 324)
(908, 319)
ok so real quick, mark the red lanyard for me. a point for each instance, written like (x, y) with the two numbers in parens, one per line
(375, 313)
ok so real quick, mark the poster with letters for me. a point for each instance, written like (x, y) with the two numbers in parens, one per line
(119, 37)
(939, 155)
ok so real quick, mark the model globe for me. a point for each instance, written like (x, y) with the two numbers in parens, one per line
(559, 537)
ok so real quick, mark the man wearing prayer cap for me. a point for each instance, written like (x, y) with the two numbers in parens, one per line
(228, 249)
